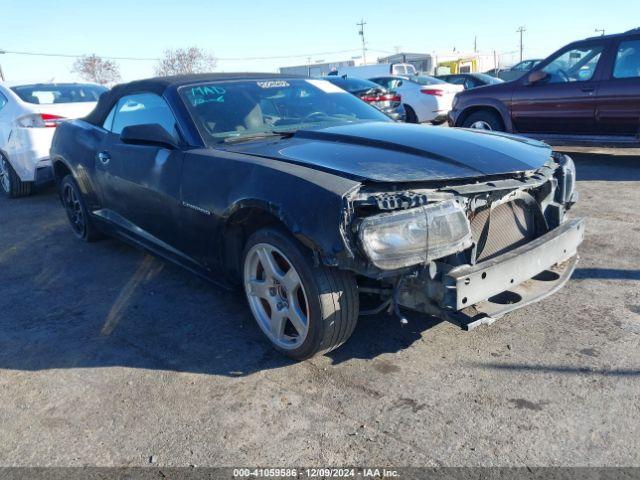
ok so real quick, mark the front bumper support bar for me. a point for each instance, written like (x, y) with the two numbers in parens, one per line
(469, 284)
(474, 295)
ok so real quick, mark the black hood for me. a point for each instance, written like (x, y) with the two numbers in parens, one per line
(394, 152)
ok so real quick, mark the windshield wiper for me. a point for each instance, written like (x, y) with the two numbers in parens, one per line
(259, 135)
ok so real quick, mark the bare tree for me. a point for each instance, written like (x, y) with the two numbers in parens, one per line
(185, 60)
(95, 69)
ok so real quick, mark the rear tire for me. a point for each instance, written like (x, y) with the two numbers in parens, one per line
(484, 120)
(10, 182)
(410, 114)
(77, 211)
(302, 308)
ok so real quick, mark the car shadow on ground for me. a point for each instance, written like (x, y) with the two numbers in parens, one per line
(605, 274)
(558, 369)
(108, 304)
(606, 167)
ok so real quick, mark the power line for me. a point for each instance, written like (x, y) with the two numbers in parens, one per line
(69, 55)
(153, 59)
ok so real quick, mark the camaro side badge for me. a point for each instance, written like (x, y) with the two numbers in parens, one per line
(197, 209)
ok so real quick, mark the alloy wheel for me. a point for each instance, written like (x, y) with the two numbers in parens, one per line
(276, 296)
(74, 210)
(480, 125)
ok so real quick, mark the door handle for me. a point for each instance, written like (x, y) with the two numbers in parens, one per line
(588, 89)
(104, 158)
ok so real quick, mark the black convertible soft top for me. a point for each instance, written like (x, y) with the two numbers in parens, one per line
(158, 85)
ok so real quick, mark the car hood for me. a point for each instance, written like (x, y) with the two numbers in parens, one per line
(395, 152)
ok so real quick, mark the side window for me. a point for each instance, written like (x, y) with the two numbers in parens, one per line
(394, 83)
(141, 109)
(3, 101)
(627, 60)
(108, 122)
(575, 65)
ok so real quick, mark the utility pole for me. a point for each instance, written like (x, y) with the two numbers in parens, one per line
(521, 30)
(601, 30)
(475, 44)
(361, 33)
(1, 73)
(308, 66)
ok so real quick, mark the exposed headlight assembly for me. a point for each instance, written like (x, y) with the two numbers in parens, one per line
(418, 235)
(567, 181)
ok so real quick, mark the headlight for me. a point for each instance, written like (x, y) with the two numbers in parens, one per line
(419, 235)
(567, 180)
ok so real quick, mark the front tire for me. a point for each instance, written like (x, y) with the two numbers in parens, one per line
(10, 182)
(484, 120)
(303, 309)
(77, 211)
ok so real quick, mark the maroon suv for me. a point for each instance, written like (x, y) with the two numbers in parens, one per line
(588, 90)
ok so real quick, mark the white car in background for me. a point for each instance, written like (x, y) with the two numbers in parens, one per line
(29, 114)
(425, 98)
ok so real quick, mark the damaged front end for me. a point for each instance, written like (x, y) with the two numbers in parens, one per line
(468, 252)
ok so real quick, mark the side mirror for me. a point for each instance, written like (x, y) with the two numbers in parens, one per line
(536, 77)
(399, 83)
(148, 134)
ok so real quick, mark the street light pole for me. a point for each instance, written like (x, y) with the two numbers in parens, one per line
(601, 30)
(361, 33)
(521, 30)
(1, 73)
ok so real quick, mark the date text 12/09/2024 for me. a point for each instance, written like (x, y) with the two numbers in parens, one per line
(314, 473)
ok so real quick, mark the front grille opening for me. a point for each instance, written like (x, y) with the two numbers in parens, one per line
(507, 226)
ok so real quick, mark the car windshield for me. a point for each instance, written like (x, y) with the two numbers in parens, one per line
(226, 111)
(426, 80)
(353, 84)
(50, 93)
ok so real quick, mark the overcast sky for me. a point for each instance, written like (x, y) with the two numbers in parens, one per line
(242, 28)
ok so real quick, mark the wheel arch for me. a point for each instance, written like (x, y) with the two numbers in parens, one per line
(491, 106)
(62, 168)
(247, 217)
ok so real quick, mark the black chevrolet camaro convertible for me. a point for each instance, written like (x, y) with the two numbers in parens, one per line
(317, 204)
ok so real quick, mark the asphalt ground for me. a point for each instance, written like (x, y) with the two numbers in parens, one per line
(111, 357)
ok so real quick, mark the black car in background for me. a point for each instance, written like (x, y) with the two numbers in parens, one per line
(470, 80)
(516, 71)
(387, 101)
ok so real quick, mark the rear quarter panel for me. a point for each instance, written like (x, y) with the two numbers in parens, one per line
(75, 145)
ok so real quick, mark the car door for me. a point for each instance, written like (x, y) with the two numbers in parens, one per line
(618, 110)
(140, 184)
(564, 101)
